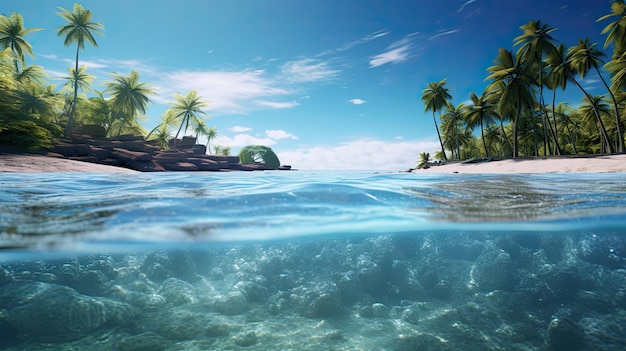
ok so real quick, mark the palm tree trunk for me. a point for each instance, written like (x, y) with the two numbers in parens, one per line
(443, 151)
(603, 132)
(70, 119)
(618, 122)
(515, 126)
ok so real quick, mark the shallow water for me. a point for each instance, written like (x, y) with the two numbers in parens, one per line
(312, 261)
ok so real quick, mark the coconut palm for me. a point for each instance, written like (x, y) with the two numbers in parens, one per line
(591, 107)
(617, 29)
(187, 108)
(129, 96)
(454, 130)
(12, 32)
(167, 120)
(424, 160)
(80, 79)
(513, 83)
(584, 57)
(210, 135)
(480, 114)
(435, 97)
(78, 30)
(535, 42)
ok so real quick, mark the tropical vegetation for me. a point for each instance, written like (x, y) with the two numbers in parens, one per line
(261, 154)
(34, 112)
(518, 113)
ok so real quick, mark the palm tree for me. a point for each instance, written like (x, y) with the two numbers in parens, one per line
(187, 108)
(513, 84)
(481, 113)
(455, 132)
(31, 74)
(594, 106)
(167, 120)
(12, 32)
(129, 96)
(78, 30)
(435, 97)
(582, 58)
(211, 134)
(80, 79)
(616, 30)
(536, 41)
(424, 160)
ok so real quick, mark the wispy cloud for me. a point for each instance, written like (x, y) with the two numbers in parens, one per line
(308, 70)
(465, 5)
(397, 52)
(240, 129)
(278, 134)
(240, 140)
(276, 104)
(441, 34)
(229, 92)
(350, 45)
(365, 39)
(357, 101)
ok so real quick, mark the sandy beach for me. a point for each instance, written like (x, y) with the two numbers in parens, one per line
(31, 163)
(590, 164)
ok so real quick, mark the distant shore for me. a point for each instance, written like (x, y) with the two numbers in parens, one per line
(551, 164)
(34, 163)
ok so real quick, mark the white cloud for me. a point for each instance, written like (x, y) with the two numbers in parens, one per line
(279, 134)
(241, 140)
(391, 56)
(229, 92)
(357, 101)
(365, 39)
(397, 52)
(359, 155)
(308, 70)
(443, 34)
(465, 5)
(240, 129)
(276, 104)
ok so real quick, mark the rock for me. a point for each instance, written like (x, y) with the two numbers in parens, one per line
(245, 339)
(379, 310)
(411, 315)
(254, 291)
(421, 342)
(233, 303)
(92, 282)
(147, 341)
(609, 250)
(178, 292)
(564, 334)
(217, 329)
(493, 270)
(50, 312)
(127, 156)
(145, 166)
(180, 166)
(5, 277)
(93, 130)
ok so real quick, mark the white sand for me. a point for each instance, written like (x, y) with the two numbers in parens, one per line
(38, 163)
(599, 164)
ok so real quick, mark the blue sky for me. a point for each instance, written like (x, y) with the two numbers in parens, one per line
(328, 84)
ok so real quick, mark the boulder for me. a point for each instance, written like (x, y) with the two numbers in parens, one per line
(180, 166)
(93, 130)
(127, 156)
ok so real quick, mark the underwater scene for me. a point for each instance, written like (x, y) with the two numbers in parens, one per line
(312, 261)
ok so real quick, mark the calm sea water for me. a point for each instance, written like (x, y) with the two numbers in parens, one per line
(394, 252)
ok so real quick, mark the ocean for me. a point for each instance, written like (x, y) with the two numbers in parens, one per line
(306, 260)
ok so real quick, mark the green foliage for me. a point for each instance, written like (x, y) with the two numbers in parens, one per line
(259, 153)
(27, 133)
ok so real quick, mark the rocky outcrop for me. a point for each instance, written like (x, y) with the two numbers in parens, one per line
(134, 153)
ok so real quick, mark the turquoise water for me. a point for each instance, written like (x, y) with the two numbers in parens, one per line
(312, 261)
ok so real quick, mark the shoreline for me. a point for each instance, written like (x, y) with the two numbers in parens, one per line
(550, 164)
(37, 163)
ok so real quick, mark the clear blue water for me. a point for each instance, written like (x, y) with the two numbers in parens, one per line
(61, 211)
(293, 243)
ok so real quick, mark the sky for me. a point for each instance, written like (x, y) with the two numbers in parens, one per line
(327, 84)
